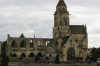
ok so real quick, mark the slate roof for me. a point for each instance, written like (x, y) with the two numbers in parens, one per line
(77, 29)
(61, 3)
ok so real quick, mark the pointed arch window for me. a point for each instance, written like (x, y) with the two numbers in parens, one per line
(31, 43)
(39, 43)
(23, 44)
(14, 43)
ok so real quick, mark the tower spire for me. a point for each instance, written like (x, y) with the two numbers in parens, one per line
(34, 35)
(61, 3)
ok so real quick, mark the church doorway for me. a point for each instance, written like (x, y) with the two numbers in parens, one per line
(70, 54)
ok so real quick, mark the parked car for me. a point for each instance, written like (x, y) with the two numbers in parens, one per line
(98, 61)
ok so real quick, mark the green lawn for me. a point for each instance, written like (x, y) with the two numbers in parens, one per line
(71, 65)
(15, 62)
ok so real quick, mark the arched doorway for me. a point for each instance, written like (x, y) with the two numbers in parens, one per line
(31, 55)
(40, 54)
(23, 55)
(14, 55)
(70, 54)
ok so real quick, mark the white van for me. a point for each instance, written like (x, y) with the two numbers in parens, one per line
(98, 61)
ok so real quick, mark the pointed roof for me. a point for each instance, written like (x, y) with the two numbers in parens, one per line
(34, 35)
(61, 3)
(77, 29)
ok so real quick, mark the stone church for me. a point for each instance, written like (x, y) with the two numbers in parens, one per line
(68, 41)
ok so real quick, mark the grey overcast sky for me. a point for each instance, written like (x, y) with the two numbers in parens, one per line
(36, 17)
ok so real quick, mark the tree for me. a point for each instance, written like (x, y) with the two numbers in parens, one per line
(57, 59)
(88, 57)
(4, 59)
(8, 58)
(95, 54)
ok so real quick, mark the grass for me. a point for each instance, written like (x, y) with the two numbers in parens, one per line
(15, 62)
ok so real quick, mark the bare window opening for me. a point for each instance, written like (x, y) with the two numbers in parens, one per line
(39, 43)
(23, 44)
(31, 43)
(14, 43)
(47, 42)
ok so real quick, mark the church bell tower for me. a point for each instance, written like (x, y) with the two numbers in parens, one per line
(61, 20)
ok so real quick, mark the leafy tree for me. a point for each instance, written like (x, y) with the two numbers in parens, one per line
(95, 54)
(57, 59)
(4, 59)
(88, 57)
(8, 58)
(3, 47)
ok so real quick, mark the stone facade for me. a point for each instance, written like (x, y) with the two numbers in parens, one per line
(68, 41)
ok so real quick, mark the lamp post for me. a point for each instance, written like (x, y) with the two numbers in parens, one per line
(74, 55)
